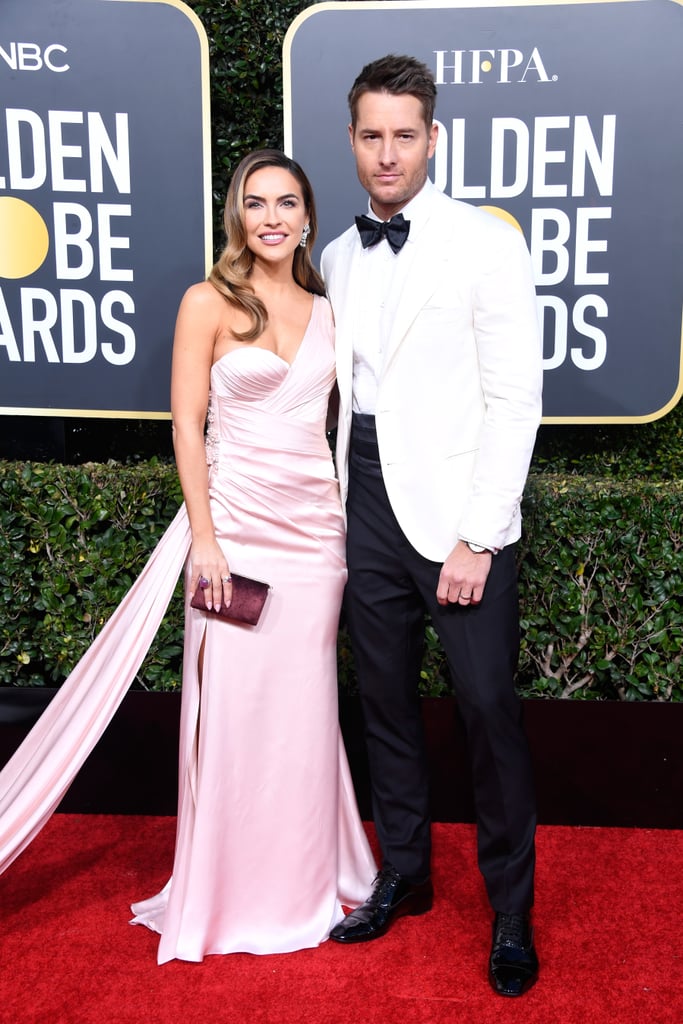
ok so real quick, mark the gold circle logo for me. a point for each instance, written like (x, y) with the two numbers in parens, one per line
(24, 238)
(497, 211)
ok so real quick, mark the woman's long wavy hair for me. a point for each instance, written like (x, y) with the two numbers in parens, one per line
(230, 274)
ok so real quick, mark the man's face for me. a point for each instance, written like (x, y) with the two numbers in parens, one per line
(391, 145)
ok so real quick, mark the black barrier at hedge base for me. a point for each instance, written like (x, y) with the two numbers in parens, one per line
(597, 763)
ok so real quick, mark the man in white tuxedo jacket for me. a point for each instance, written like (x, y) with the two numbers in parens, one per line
(439, 372)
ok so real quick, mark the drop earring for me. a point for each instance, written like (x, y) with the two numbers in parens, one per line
(304, 235)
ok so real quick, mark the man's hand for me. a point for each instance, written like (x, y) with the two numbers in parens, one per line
(463, 576)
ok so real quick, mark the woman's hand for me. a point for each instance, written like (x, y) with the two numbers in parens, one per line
(211, 574)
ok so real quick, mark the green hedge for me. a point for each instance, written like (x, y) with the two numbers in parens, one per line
(600, 579)
(72, 540)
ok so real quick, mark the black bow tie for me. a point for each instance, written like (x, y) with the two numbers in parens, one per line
(373, 231)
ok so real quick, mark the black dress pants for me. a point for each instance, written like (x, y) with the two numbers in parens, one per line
(390, 586)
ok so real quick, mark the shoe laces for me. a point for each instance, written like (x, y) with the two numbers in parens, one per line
(511, 930)
(383, 886)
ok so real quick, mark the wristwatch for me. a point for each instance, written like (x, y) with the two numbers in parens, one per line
(478, 549)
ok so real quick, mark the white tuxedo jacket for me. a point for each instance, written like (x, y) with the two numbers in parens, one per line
(459, 399)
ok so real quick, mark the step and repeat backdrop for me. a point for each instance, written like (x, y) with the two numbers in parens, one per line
(104, 200)
(564, 118)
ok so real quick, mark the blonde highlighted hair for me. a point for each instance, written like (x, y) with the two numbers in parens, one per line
(230, 274)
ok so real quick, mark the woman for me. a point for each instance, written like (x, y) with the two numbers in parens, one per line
(269, 842)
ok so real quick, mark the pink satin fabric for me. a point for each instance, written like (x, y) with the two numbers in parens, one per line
(269, 841)
(38, 774)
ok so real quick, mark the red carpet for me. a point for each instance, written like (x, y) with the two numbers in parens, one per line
(609, 934)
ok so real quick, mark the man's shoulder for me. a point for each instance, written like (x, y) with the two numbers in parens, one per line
(340, 243)
(466, 216)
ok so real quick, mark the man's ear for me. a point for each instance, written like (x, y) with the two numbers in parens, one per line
(433, 135)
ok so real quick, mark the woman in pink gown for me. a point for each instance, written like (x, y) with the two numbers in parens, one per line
(269, 842)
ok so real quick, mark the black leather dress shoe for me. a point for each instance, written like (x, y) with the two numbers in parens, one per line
(513, 967)
(391, 897)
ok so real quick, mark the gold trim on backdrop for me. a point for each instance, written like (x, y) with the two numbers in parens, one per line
(85, 414)
(378, 5)
(671, 404)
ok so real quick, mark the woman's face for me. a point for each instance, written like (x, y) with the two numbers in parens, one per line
(274, 214)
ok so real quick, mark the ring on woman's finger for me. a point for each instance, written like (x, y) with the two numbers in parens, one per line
(226, 579)
(203, 582)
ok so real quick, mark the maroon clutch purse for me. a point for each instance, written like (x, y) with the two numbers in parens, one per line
(246, 605)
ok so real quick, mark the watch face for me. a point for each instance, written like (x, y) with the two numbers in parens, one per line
(477, 548)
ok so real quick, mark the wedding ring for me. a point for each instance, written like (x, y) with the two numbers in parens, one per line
(203, 582)
(226, 579)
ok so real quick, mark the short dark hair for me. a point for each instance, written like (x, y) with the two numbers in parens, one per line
(399, 76)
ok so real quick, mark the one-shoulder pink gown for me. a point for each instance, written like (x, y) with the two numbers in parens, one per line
(269, 842)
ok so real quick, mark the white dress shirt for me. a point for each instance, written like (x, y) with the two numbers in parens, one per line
(383, 276)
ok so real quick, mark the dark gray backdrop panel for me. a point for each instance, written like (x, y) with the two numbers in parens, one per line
(621, 59)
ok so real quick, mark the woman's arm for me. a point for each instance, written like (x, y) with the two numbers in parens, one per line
(197, 326)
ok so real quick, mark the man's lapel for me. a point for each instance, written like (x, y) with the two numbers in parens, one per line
(428, 258)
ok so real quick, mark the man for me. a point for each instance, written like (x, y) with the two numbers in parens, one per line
(439, 370)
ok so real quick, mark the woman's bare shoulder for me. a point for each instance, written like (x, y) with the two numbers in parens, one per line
(204, 310)
(203, 296)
